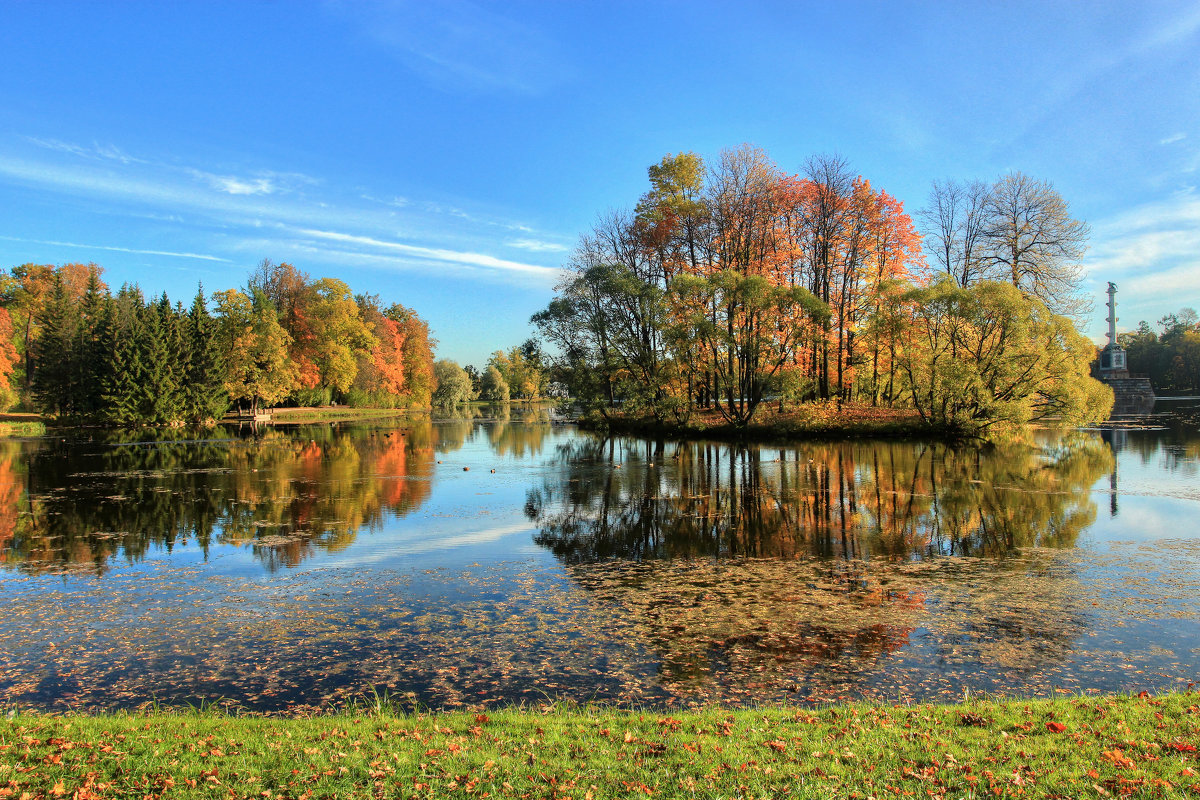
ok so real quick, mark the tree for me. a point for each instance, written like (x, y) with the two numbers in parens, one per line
(95, 346)
(1034, 243)
(747, 342)
(453, 385)
(492, 386)
(32, 286)
(1170, 359)
(338, 334)
(955, 218)
(255, 349)
(204, 393)
(989, 357)
(121, 390)
(9, 358)
(476, 379)
(381, 371)
(417, 354)
(56, 353)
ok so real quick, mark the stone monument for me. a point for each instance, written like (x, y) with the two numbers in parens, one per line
(1112, 357)
(1132, 394)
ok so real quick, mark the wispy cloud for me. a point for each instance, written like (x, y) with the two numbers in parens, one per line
(463, 45)
(394, 202)
(281, 212)
(1174, 137)
(538, 246)
(112, 249)
(94, 151)
(1153, 253)
(434, 253)
(233, 185)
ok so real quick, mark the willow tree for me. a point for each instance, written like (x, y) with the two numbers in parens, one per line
(989, 356)
(453, 384)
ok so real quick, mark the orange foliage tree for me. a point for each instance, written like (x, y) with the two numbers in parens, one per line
(731, 282)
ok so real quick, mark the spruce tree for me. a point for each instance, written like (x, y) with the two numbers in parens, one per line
(158, 388)
(55, 353)
(204, 395)
(126, 374)
(94, 362)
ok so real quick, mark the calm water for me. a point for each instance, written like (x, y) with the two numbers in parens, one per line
(496, 559)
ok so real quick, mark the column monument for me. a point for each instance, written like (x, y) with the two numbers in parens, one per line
(1132, 394)
(1112, 357)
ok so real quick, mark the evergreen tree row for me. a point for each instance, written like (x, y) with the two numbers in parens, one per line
(121, 360)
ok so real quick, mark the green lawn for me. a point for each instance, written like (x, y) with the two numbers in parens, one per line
(1070, 747)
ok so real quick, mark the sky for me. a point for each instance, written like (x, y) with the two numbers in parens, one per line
(447, 155)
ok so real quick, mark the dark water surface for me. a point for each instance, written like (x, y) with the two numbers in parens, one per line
(302, 567)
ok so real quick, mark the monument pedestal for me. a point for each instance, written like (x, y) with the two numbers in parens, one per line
(1132, 395)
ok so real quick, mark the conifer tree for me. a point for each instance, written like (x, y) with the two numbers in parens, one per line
(121, 399)
(56, 353)
(204, 397)
(94, 360)
(158, 389)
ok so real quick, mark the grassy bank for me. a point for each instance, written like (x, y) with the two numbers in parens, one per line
(10, 429)
(21, 424)
(333, 414)
(807, 421)
(1070, 747)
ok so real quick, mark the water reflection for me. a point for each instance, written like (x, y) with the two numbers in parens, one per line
(667, 574)
(287, 493)
(635, 499)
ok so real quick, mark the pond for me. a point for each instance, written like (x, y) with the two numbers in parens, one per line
(503, 557)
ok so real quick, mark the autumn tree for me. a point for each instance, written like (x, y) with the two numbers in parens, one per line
(956, 222)
(625, 334)
(9, 359)
(492, 386)
(30, 290)
(989, 357)
(26, 294)
(338, 333)
(1018, 229)
(255, 350)
(417, 354)
(453, 385)
(747, 344)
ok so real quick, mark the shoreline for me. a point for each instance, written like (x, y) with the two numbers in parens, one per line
(818, 423)
(1117, 744)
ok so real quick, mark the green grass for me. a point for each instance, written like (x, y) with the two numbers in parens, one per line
(10, 429)
(1069, 747)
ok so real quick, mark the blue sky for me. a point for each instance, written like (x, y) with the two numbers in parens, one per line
(448, 155)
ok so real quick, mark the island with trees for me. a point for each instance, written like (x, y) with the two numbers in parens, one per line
(734, 286)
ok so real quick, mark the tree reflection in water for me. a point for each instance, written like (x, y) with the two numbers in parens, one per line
(758, 572)
(285, 492)
(634, 499)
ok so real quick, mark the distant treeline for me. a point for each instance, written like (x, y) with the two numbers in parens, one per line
(71, 348)
(519, 374)
(1171, 357)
